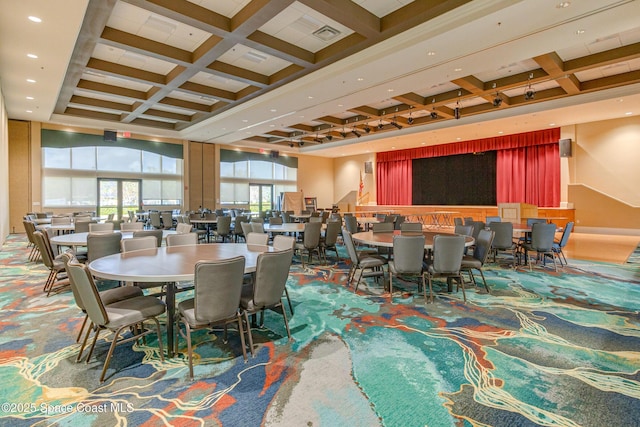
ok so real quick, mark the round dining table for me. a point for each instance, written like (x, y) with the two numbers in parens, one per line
(80, 239)
(170, 265)
(288, 227)
(385, 239)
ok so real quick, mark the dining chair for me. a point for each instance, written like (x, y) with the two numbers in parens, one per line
(384, 227)
(560, 244)
(458, 221)
(167, 220)
(447, 260)
(157, 233)
(479, 257)
(526, 238)
(489, 219)
(408, 260)
(351, 223)
(184, 228)
(127, 315)
(107, 296)
(283, 243)
(411, 227)
(266, 290)
(181, 239)
(246, 229)
(542, 239)
(223, 229)
(503, 240)
(102, 244)
(257, 238)
(465, 230)
(369, 265)
(83, 225)
(60, 220)
(310, 241)
(236, 230)
(102, 227)
(56, 280)
(216, 301)
(257, 227)
(155, 220)
(131, 226)
(138, 243)
(330, 239)
(275, 221)
(30, 228)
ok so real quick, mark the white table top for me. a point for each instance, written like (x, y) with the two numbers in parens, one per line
(173, 263)
(386, 239)
(203, 221)
(289, 227)
(80, 239)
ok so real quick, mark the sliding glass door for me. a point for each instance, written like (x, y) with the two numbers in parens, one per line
(260, 197)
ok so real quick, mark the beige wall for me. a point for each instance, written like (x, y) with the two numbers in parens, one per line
(315, 179)
(4, 172)
(347, 177)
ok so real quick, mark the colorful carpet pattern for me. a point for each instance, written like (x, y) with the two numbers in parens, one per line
(543, 348)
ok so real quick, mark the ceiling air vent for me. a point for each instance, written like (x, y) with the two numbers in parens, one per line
(326, 33)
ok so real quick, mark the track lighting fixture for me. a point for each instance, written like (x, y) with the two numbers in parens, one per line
(497, 101)
(380, 125)
(356, 133)
(343, 133)
(301, 143)
(329, 137)
(395, 124)
(291, 145)
(410, 119)
(456, 113)
(434, 113)
(367, 129)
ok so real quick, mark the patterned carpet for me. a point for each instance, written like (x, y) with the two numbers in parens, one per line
(544, 348)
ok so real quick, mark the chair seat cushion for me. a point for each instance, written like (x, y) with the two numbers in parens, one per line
(369, 262)
(470, 262)
(110, 296)
(133, 310)
(394, 270)
(187, 310)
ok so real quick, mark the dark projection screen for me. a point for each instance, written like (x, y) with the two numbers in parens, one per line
(465, 179)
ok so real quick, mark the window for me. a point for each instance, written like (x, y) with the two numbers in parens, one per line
(70, 175)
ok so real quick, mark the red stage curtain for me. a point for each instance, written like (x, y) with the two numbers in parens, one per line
(394, 183)
(528, 168)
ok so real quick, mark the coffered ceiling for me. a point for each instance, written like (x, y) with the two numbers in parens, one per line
(320, 76)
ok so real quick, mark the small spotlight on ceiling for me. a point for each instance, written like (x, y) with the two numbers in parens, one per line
(410, 120)
(329, 137)
(343, 134)
(367, 129)
(434, 115)
(291, 144)
(396, 125)
(301, 143)
(529, 94)
(497, 101)
(380, 125)
(356, 133)
(456, 113)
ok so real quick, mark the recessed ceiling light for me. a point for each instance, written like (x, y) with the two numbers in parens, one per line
(244, 120)
(35, 19)
(360, 79)
(393, 148)
(424, 143)
(29, 111)
(389, 90)
(309, 97)
(32, 56)
(29, 97)
(628, 113)
(457, 69)
(31, 80)
(563, 4)
(552, 124)
(273, 110)
(272, 126)
(500, 132)
(579, 32)
(431, 53)
(458, 139)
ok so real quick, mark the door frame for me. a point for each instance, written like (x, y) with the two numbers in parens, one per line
(119, 205)
(260, 186)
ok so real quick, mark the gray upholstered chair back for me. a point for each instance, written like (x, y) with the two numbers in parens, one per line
(209, 216)
(272, 272)
(182, 239)
(103, 227)
(83, 226)
(275, 221)
(477, 226)
(87, 292)
(155, 233)
(411, 227)
(257, 227)
(224, 225)
(531, 221)
(383, 227)
(351, 248)
(331, 233)
(138, 243)
(282, 242)
(483, 245)
(29, 228)
(458, 221)
(66, 258)
(45, 248)
(60, 220)
(351, 223)
(102, 244)
(491, 219)
(218, 286)
(154, 218)
(257, 238)
(465, 230)
(131, 226)
(503, 238)
(183, 228)
(246, 227)
(312, 234)
(397, 224)
(542, 235)
(408, 253)
(286, 217)
(565, 234)
(447, 253)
